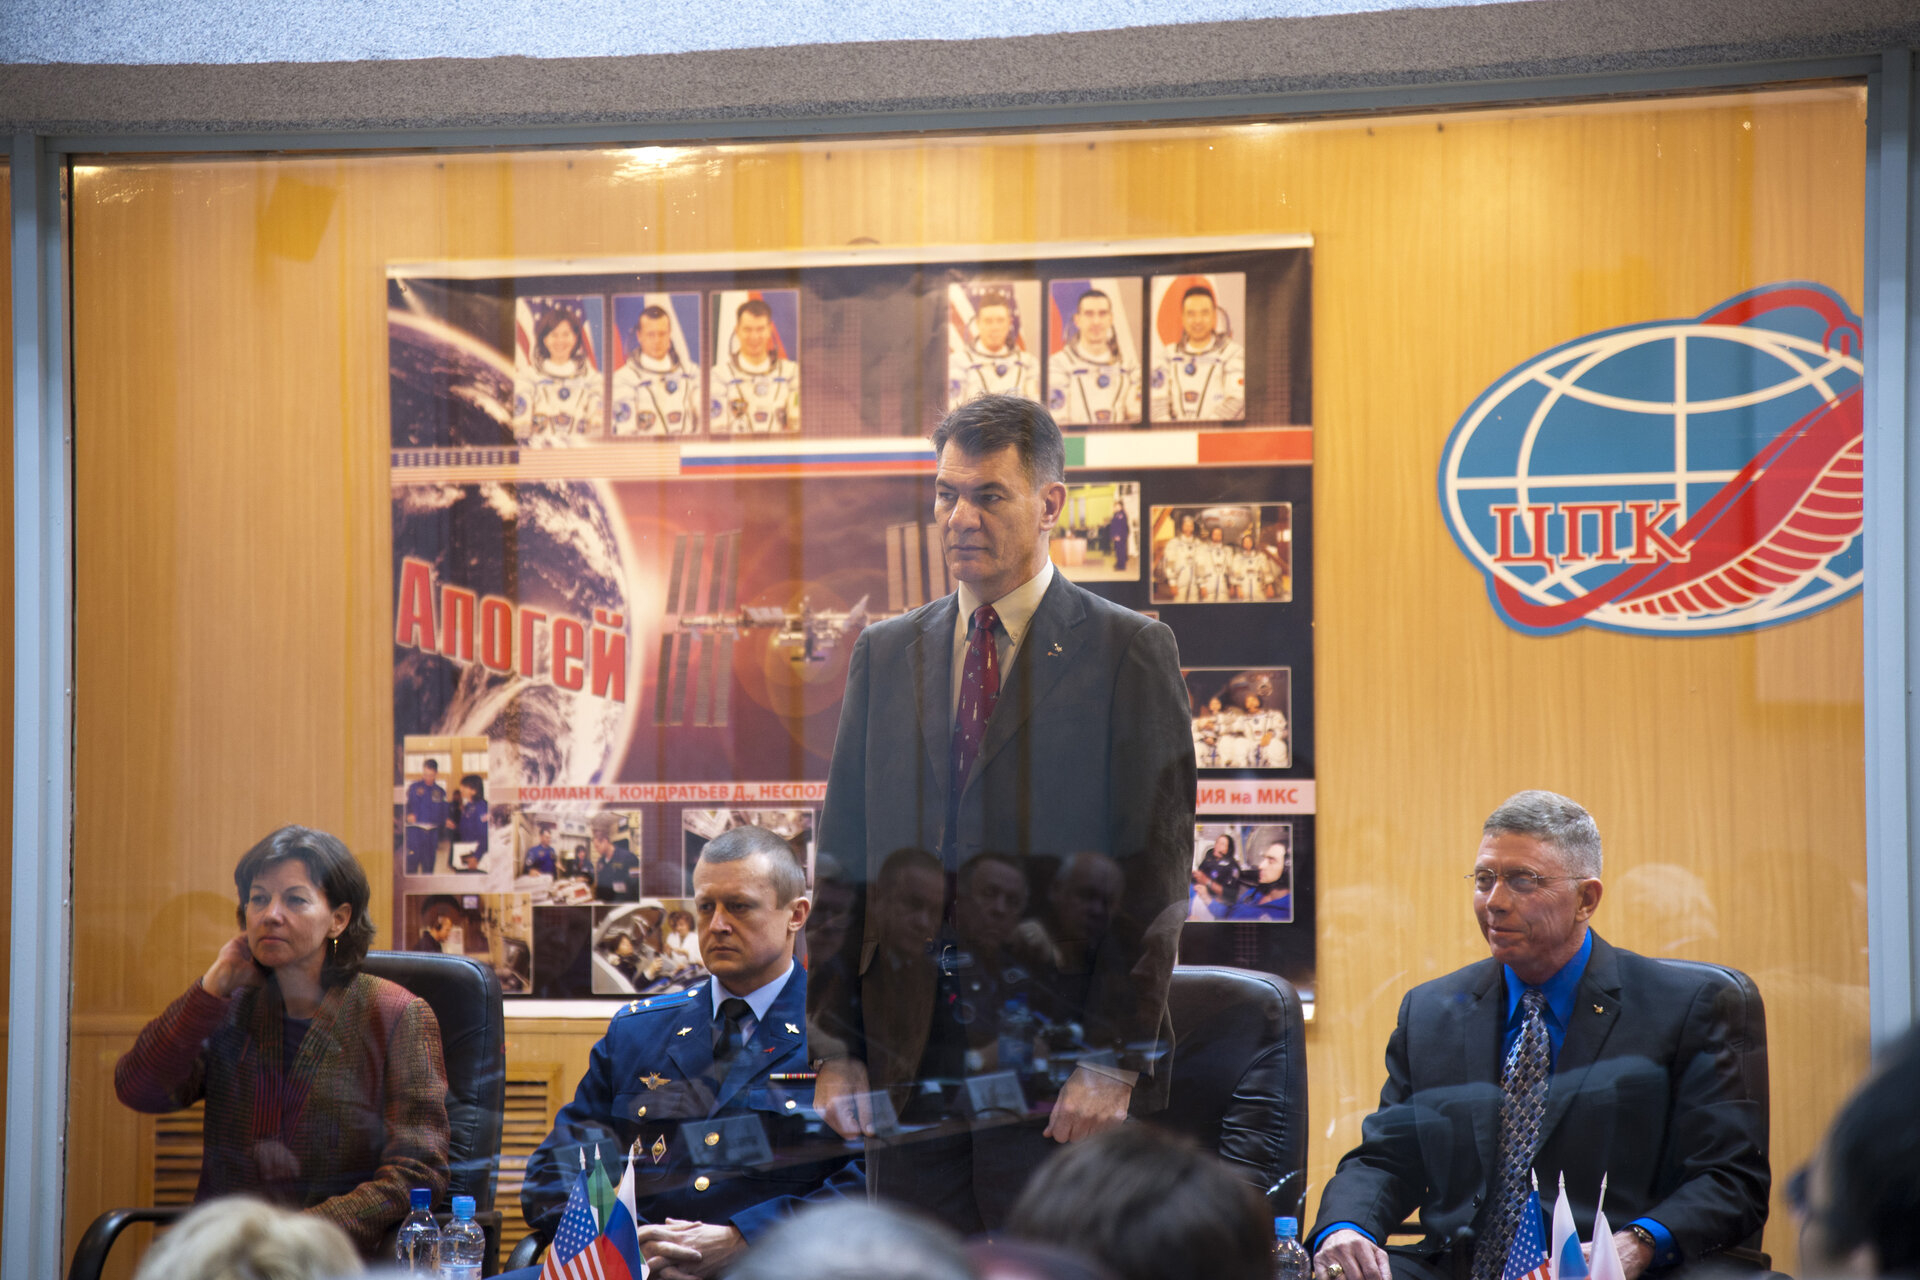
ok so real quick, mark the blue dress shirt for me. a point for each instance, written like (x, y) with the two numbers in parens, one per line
(759, 1000)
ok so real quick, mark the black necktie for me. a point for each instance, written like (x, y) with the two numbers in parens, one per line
(729, 1034)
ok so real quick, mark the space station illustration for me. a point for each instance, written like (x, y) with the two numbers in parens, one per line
(698, 642)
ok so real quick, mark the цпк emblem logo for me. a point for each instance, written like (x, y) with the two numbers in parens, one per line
(1679, 477)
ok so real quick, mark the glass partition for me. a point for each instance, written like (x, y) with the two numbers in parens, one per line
(6, 584)
(535, 521)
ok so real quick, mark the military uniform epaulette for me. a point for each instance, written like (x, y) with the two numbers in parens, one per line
(677, 1000)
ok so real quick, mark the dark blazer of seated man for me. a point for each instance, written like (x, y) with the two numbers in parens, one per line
(716, 1052)
(1634, 1075)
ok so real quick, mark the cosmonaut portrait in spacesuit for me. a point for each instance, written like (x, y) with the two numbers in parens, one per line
(987, 347)
(1093, 366)
(656, 383)
(1199, 370)
(754, 388)
(558, 389)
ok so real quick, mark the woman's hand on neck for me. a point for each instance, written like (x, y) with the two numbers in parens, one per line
(300, 989)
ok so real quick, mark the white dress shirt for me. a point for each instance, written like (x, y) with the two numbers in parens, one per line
(1016, 610)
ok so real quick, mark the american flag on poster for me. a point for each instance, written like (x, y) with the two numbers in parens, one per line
(1527, 1255)
(965, 300)
(527, 313)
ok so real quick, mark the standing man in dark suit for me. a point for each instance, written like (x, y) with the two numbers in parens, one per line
(691, 1083)
(1026, 717)
(1557, 1054)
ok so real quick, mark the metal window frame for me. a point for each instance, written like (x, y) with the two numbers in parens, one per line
(39, 983)
(1891, 630)
(39, 997)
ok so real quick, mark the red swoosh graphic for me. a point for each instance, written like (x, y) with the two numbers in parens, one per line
(1796, 503)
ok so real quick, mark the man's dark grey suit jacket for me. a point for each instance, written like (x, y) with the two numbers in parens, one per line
(1089, 749)
(1649, 1088)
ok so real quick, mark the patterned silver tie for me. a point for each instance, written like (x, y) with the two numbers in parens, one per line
(1523, 1104)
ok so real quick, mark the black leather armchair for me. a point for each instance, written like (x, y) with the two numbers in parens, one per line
(1746, 1014)
(1239, 1085)
(465, 998)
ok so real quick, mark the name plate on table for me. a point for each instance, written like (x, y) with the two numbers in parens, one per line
(727, 1142)
(881, 1116)
(997, 1096)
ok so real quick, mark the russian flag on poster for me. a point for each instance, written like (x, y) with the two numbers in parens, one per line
(1568, 1262)
(683, 321)
(1527, 1254)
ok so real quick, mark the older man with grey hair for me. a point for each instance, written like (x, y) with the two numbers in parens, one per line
(1557, 1055)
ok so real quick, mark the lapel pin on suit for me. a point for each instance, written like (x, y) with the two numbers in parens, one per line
(792, 1030)
(1599, 1008)
(1056, 651)
(684, 1031)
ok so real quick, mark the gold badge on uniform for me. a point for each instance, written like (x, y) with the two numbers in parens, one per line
(659, 1149)
(653, 1080)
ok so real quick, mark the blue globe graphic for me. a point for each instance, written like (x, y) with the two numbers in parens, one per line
(556, 545)
(1741, 427)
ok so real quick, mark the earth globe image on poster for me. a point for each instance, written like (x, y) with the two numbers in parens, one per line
(547, 545)
(1678, 477)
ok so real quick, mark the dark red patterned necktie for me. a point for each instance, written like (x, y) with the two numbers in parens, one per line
(979, 690)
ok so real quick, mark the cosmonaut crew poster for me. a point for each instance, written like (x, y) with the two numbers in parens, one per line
(642, 512)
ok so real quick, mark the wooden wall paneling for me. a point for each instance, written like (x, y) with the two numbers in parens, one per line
(110, 1148)
(233, 587)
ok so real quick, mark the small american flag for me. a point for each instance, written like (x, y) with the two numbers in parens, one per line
(573, 1255)
(1527, 1255)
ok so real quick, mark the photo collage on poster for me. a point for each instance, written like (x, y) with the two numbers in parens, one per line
(607, 664)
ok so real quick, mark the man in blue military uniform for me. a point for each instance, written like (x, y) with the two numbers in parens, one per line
(698, 1086)
(616, 872)
(540, 857)
(426, 818)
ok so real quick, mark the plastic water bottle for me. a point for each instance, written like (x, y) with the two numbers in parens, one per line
(1290, 1260)
(418, 1243)
(463, 1244)
(1016, 1035)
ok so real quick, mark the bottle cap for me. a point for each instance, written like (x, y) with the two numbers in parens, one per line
(420, 1198)
(1286, 1228)
(463, 1206)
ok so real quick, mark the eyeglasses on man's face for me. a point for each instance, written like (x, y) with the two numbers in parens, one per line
(1520, 882)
